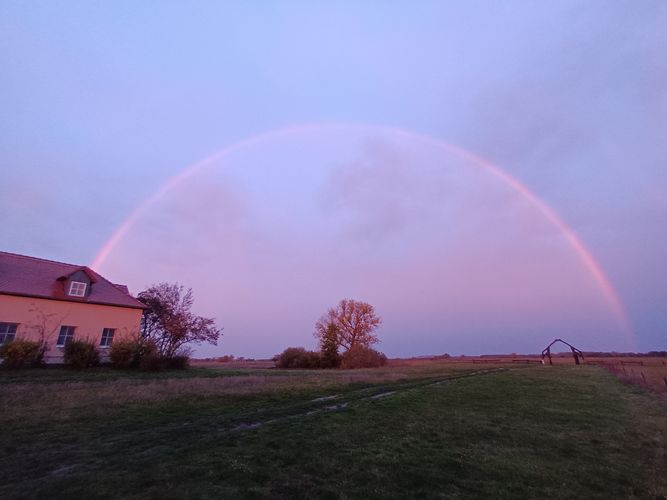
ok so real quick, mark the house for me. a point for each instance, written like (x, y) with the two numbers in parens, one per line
(56, 302)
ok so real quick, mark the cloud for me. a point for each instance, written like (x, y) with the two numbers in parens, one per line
(447, 253)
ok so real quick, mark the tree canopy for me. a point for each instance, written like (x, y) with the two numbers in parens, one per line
(169, 322)
(352, 323)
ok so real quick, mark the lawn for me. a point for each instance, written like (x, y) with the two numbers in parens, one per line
(428, 430)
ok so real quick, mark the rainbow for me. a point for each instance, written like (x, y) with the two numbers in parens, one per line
(584, 254)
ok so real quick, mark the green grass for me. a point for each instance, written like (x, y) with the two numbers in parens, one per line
(54, 374)
(550, 432)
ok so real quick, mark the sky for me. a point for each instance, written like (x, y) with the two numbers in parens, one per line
(348, 148)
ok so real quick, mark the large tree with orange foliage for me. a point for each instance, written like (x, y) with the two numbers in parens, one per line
(354, 323)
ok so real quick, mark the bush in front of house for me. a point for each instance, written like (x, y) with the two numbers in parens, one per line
(22, 353)
(361, 356)
(143, 354)
(80, 354)
(298, 357)
(178, 362)
(156, 362)
(126, 354)
(123, 354)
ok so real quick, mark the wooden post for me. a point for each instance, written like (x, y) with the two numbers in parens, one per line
(644, 378)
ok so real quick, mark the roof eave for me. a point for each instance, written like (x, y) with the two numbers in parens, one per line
(99, 303)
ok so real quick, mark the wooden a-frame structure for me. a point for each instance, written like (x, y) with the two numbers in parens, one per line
(576, 353)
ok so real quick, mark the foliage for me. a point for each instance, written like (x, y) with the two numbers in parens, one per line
(298, 357)
(21, 353)
(178, 362)
(142, 353)
(169, 322)
(330, 358)
(80, 354)
(130, 353)
(355, 324)
(361, 356)
(155, 362)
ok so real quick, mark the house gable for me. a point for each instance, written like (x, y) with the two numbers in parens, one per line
(53, 302)
(32, 277)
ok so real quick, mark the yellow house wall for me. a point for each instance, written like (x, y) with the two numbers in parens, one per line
(42, 318)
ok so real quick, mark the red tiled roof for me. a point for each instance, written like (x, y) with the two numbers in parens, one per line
(33, 277)
(122, 288)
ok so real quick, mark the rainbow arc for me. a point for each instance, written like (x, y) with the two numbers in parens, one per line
(575, 242)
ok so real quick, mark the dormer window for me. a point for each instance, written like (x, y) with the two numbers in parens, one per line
(77, 289)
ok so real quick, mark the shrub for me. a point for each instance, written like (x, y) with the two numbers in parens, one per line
(155, 362)
(178, 362)
(152, 362)
(80, 354)
(330, 359)
(20, 353)
(123, 354)
(126, 354)
(143, 354)
(361, 356)
(298, 357)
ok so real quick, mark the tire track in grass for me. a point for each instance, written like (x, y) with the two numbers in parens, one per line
(322, 405)
(256, 419)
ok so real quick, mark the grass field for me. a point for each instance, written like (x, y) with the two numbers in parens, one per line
(415, 430)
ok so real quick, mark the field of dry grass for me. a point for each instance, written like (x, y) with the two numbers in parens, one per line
(646, 371)
(236, 379)
(414, 428)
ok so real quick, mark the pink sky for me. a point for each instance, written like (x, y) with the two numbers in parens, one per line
(454, 258)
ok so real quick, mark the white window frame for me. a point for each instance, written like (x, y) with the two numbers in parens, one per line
(77, 288)
(70, 337)
(4, 331)
(109, 337)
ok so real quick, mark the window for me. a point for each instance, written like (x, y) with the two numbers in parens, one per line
(107, 337)
(66, 334)
(7, 332)
(77, 288)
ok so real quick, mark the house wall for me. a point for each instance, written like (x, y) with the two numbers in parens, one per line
(39, 318)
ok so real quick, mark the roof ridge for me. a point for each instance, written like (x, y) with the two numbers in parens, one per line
(42, 260)
(99, 275)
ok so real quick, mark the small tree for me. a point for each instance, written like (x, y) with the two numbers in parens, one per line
(170, 324)
(355, 324)
(329, 347)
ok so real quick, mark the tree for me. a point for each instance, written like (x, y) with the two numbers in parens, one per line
(354, 322)
(170, 324)
(329, 347)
